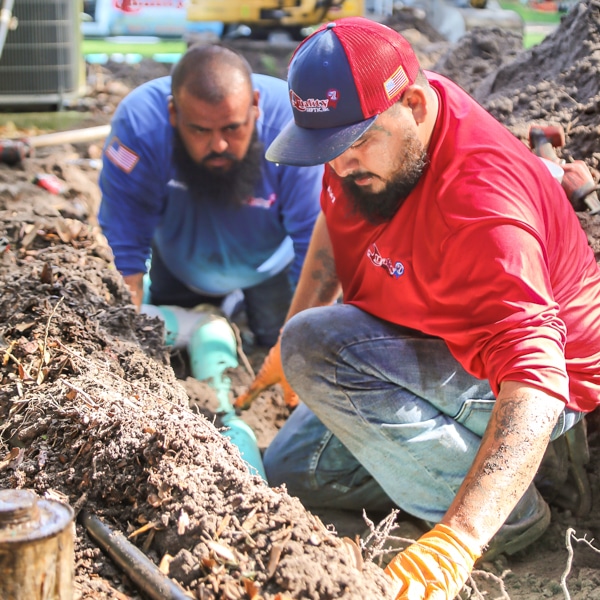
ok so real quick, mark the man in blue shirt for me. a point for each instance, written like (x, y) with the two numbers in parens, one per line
(185, 181)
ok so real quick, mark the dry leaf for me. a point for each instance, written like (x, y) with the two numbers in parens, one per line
(154, 500)
(251, 588)
(183, 522)
(222, 551)
(222, 526)
(13, 459)
(46, 274)
(354, 552)
(165, 563)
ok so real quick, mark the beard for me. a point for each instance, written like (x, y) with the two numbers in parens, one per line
(380, 207)
(231, 187)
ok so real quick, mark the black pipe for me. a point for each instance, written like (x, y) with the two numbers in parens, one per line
(138, 567)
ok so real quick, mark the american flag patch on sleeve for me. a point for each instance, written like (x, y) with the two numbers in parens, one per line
(396, 83)
(121, 156)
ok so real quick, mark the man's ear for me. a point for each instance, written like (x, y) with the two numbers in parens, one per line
(416, 99)
(255, 107)
(172, 112)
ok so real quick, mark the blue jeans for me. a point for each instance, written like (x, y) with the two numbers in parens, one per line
(266, 304)
(389, 417)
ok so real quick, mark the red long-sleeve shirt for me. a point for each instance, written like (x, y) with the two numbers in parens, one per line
(486, 253)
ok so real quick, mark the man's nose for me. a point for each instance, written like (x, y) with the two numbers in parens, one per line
(345, 164)
(218, 143)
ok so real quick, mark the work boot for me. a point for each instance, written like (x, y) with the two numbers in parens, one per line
(525, 524)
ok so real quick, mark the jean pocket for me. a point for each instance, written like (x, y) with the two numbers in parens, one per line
(475, 414)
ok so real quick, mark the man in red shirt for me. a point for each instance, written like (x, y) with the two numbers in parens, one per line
(469, 333)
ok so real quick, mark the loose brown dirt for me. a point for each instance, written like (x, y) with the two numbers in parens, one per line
(96, 412)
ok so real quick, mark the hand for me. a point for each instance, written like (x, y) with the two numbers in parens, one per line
(270, 373)
(435, 567)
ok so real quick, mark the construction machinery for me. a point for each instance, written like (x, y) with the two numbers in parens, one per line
(260, 18)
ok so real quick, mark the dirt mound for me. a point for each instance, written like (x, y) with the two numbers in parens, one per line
(478, 53)
(557, 81)
(92, 413)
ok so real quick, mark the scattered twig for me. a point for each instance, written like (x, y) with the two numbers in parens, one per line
(45, 344)
(89, 399)
(498, 580)
(569, 535)
(240, 350)
(376, 545)
(80, 503)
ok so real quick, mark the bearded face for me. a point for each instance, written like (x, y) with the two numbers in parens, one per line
(231, 186)
(379, 202)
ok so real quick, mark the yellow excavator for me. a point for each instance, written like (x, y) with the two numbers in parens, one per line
(259, 18)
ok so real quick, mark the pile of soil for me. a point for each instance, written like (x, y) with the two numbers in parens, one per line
(96, 412)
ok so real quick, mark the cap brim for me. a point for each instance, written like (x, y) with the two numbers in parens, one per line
(301, 147)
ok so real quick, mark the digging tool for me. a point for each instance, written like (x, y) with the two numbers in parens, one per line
(12, 152)
(138, 567)
(577, 180)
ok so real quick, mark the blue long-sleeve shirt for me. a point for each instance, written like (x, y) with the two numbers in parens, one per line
(212, 248)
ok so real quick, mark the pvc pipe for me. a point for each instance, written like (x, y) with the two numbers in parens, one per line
(179, 322)
(212, 350)
(242, 435)
(87, 134)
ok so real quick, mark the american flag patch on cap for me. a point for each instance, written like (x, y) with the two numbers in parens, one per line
(121, 156)
(396, 82)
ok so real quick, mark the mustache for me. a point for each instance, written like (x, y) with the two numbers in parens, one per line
(216, 155)
(353, 177)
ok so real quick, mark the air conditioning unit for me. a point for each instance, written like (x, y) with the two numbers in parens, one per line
(41, 63)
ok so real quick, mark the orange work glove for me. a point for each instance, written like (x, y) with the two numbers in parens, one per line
(435, 567)
(270, 373)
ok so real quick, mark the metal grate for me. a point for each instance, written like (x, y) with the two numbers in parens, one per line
(41, 60)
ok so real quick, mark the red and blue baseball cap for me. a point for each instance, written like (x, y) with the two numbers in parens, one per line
(340, 79)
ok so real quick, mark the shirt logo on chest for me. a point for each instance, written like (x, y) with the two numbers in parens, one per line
(263, 202)
(394, 269)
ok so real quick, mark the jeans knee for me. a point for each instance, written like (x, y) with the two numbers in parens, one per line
(298, 331)
(303, 342)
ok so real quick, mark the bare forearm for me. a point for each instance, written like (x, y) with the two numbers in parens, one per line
(510, 453)
(135, 283)
(318, 284)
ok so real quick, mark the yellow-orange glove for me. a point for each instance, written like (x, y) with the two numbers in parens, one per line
(270, 373)
(435, 567)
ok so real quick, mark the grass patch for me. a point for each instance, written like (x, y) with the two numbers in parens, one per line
(530, 15)
(532, 39)
(146, 49)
